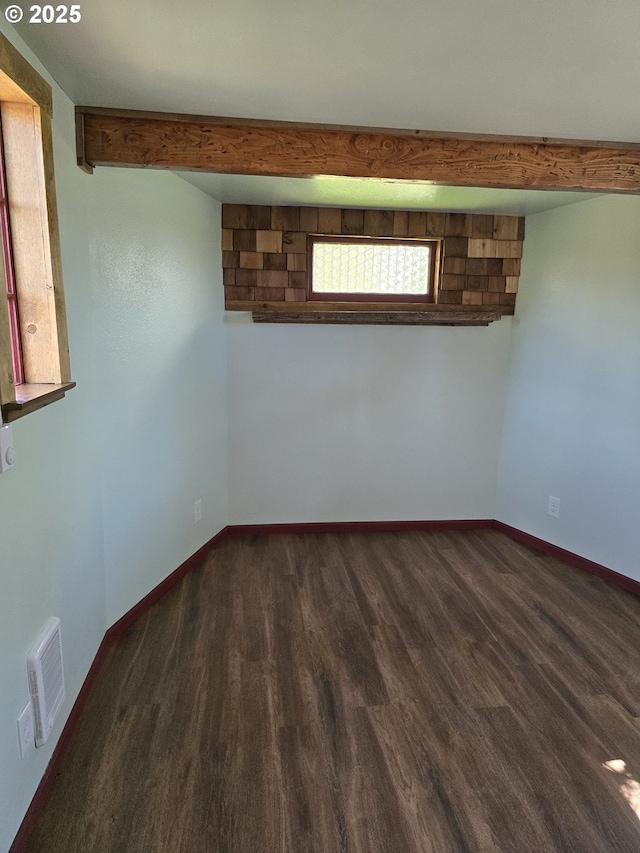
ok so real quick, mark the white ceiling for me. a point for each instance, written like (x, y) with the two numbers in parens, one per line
(377, 194)
(564, 68)
(526, 67)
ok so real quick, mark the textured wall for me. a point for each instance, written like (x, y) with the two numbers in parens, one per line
(572, 419)
(162, 375)
(350, 423)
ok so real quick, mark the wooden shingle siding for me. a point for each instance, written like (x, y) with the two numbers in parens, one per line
(264, 250)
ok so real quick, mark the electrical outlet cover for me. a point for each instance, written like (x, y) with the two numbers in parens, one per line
(553, 507)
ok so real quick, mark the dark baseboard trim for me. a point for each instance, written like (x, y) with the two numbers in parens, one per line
(164, 586)
(621, 581)
(358, 526)
(21, 841)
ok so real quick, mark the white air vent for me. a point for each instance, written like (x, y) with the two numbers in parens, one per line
(46, 678)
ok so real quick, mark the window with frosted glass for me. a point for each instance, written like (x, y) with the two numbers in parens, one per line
(372, 269)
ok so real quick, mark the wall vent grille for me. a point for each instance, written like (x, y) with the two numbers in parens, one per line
(46, 678)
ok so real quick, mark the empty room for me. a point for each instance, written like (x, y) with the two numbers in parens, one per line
(319, 456)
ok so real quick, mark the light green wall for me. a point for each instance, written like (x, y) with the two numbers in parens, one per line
(386, 423)
(572, 418)
(99, 508)
(162, 375)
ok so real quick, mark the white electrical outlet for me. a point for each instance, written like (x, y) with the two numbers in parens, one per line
(198, 511)
(553, 507)
(26, 731)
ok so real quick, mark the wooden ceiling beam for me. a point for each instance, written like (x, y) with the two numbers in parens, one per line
(107, 137)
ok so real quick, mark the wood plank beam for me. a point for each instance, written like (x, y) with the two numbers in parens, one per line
(33, 258)
(380, 318)
(248, 147)
(19, 82)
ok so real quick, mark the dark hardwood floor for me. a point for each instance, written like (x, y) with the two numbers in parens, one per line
(374, 693)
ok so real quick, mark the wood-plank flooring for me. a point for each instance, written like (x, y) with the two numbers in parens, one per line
(363, 693)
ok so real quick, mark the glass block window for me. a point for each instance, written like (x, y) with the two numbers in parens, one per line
(372, 269)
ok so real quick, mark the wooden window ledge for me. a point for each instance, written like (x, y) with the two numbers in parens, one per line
(33, 396)
(372, 313)
(380, 318)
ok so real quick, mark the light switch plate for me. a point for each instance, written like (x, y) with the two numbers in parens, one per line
(7, 449)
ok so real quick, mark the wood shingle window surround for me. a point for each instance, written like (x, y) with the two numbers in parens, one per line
(265, 258)
(25, 110)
